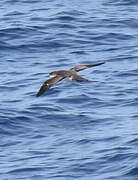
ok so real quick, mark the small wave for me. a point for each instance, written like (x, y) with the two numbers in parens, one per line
(122, 2)
(133, 172)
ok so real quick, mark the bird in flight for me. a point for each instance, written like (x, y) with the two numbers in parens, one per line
(57, 76)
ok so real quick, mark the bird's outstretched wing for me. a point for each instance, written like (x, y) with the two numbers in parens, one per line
(82, 67)
(48, 83)
(75, 77)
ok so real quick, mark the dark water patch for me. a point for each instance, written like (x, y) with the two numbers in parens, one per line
(135, 116)
(87, 168)
(64, 26)
(15, 13)
(133, 172)
(30, 2)
(122, 58)
(113, 150)
(79, 52)
(33, 47)
(14, 124)
(127, 74)
(15, 30)
(13, 83)
(108, 139)
(40, 19)
(122, 2)
(22, 2)
(84, 141)
(65, 35)
(66, 18)
(10, 143)
(72, 13)
(23, 170)
(113, 37)
(40, 9)
(133, 142)
(45, 108)
(131, 23)
(74, 100)
(13, 34)
(119, 157)
(131, 102)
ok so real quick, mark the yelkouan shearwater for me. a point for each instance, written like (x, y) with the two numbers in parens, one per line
(62, 74)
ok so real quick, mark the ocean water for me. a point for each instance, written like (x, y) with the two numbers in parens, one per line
(75, 131)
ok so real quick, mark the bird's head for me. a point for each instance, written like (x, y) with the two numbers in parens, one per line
(53, 74)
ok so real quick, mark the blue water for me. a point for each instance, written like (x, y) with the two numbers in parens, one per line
(75, 131)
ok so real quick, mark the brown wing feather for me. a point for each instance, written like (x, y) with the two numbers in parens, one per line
(48, 83)
(78, 78)
(82, 67)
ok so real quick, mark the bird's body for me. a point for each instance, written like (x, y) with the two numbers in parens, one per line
(62, 74)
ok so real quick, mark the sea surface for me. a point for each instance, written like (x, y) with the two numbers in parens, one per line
(76, 130)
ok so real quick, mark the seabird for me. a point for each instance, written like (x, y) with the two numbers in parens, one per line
(62, 74)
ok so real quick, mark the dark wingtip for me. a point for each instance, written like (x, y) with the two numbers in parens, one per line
(97, 64)
(102, 62)
(40, 92)
(37, 95)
